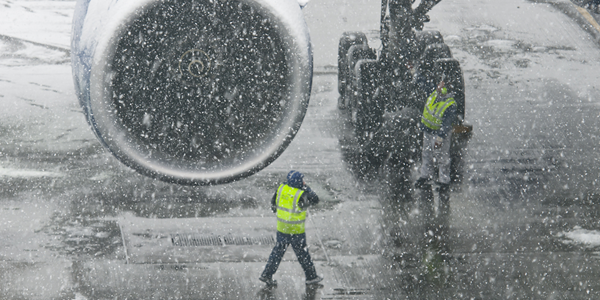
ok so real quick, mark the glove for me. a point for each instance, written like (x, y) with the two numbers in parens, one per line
(438, 142)
(302, 203)
(306, 188)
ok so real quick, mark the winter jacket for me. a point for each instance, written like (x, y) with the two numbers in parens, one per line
(428, 86)
(447, 120)
(307, 199)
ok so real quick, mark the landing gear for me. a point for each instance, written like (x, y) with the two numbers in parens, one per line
(381, 100)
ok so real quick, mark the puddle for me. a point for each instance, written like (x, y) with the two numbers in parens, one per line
(87, 238)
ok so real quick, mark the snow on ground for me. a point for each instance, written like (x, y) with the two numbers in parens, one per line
(25, 19)
(37, 98)
(8, 172)
(589, 238)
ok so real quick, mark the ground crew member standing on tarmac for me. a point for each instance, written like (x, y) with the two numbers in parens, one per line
(290, 203)
(436, 123)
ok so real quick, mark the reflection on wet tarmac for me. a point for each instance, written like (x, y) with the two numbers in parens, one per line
(269, 292)
(266, 293)
(416, 222)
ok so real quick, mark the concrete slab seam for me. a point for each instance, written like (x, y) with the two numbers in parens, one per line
(124, 245)
(320, 241)
(14, 39)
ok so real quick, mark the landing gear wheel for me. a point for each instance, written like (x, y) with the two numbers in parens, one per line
(347, 40)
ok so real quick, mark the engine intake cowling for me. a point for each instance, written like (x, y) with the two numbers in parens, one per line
(193, 91)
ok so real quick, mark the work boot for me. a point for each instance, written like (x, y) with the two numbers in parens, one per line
(421, 183)
(315, 280)
(268, 281)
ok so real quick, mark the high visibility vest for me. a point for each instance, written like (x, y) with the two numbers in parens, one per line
(290, 217)
(434, 111)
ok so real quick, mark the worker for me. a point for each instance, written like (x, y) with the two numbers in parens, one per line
(290, 203)
(436, 124)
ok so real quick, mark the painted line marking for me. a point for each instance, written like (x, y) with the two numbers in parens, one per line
(25, 173)
(588, 17)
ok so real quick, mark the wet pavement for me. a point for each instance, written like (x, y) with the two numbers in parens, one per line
(522, 221)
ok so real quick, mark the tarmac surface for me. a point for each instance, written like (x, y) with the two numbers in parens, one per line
(522, 224)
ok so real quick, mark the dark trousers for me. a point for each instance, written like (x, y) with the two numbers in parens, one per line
(298, 242)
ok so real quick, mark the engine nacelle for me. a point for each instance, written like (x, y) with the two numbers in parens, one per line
(193, 91)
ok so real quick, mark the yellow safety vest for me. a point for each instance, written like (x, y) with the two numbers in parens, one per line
(434, 112)
(290, 217)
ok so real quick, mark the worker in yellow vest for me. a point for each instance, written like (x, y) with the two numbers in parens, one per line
(438, 115)
(290, 203)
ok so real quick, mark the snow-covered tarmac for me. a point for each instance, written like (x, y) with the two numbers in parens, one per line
(77, 224)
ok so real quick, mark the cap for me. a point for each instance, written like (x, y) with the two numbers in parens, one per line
(295, 179)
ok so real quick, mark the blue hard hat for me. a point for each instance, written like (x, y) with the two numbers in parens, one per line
(295, 179)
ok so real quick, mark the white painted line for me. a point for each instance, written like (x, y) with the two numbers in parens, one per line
(23, 173)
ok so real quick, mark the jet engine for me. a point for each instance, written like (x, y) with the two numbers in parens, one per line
(193, 92)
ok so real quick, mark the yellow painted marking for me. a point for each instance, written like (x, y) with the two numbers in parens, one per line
(588, 17)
